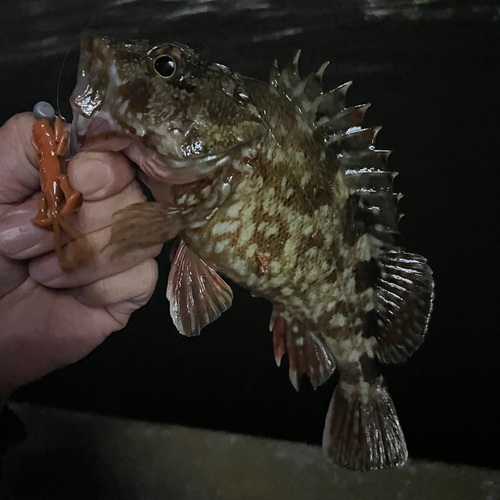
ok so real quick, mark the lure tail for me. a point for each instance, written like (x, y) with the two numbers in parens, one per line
(78, 249)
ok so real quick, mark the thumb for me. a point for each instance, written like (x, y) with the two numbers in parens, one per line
(18, 167)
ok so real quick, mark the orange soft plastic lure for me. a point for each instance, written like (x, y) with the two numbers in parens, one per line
(57, 198)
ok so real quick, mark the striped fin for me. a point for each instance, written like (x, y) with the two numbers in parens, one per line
(306, 94)
(197, 294)
(342, 128)
(405, 294)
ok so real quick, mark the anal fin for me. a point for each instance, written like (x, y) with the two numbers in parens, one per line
(362, 430)
(306, 352)
(197, 294)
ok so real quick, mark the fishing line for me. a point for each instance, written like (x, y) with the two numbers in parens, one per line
(99, 12)
(60, 78)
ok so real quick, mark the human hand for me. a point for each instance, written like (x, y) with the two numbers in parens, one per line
(50, 317)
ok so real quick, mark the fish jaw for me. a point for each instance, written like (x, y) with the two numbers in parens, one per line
(103, 133)
(120, 104)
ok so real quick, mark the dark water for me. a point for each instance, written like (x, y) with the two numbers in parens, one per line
(430, 70)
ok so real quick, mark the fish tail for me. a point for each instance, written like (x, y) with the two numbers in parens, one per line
(362, 430)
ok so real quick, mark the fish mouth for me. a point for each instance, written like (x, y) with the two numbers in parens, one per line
(103, 133)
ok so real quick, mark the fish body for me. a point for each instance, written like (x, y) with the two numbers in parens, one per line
(278, 186)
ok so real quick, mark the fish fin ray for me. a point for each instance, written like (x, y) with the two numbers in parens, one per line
(372, 205)
(306, 352)
(278, 326)
(142, 225)
(372, 212)
(344, 120)
(341, 128)
(307, 93)
(405, 294)
(197, 294)
(362, 430)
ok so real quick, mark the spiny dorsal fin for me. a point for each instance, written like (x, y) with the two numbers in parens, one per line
(403, 282)
(304, 93)
(343, 120)
(340, 127)
(372, 207)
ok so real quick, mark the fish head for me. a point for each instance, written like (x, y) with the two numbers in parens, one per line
(177, 117)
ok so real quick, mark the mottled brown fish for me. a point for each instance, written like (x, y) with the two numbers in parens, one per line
(278, 186)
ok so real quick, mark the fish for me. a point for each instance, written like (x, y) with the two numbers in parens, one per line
(279, 187)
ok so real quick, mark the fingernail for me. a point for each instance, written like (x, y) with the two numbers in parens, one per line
(92, 176)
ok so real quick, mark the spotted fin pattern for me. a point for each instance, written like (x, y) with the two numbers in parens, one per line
(403, 281)
(279, 186)
(372, 206)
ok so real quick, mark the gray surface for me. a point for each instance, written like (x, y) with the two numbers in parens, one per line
(79, 456)
(43, 109)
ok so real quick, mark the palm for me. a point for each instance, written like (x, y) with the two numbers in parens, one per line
(51, 317)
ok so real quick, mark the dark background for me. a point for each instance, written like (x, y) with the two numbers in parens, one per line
(430, 69)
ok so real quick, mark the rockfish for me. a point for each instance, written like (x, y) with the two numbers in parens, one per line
(279, 187)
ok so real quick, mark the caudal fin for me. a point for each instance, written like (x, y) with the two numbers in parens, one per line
(362, 430)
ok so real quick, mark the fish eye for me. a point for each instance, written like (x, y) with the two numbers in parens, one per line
(165, 66)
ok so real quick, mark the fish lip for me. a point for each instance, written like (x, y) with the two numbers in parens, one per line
(80, 121)
(102, 133)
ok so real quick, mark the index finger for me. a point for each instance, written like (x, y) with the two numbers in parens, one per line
(18, 168)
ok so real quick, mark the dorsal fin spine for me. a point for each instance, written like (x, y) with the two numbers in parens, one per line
(275, 73)
(321, 70)
(363, 167)
(295, 62)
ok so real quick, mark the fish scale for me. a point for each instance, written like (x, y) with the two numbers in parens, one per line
(278, 186)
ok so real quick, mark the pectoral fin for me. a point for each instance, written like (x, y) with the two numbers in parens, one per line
(197, 294)
(143, 225)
